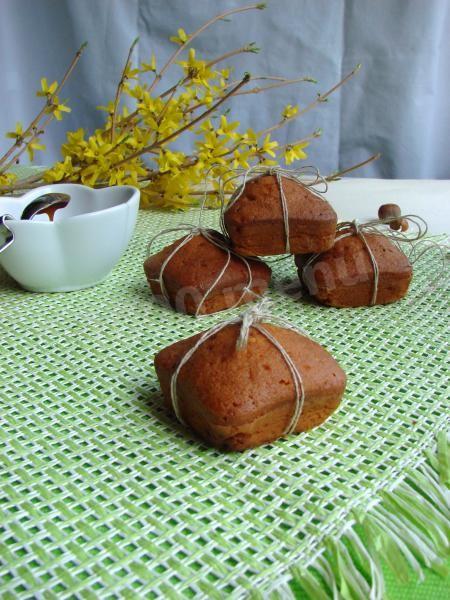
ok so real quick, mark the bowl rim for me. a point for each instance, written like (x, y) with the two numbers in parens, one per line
(134, 196)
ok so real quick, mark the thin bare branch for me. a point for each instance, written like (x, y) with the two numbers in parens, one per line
(244, 49)
(120, 88)
(284, 82)
(338, 175)
(315, 134)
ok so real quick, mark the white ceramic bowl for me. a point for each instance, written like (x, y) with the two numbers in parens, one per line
(79, 248)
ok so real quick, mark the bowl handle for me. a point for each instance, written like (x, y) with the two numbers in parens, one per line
(9, 239)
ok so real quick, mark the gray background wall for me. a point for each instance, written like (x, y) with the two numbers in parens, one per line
(398, 104)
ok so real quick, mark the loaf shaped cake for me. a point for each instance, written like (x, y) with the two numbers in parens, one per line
(345, 275)
(256, 222)
(203, 277)
(237, 398)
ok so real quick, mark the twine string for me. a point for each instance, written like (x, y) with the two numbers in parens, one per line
(296, 378)
(253, 317)
(358, 230)
(423, 247)
(285, 212)
(378, 227)
(313, 181)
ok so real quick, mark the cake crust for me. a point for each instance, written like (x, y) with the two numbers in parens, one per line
(238, 399)
(255, 222)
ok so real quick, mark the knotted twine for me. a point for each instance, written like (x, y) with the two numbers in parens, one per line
(296, 175)
(253, 317)
(377, 227)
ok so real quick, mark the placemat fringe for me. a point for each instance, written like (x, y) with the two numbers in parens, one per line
(408, 528)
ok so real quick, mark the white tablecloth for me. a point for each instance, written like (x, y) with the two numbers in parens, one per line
(360, 198)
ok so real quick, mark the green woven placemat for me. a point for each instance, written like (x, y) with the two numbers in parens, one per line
(105, 495)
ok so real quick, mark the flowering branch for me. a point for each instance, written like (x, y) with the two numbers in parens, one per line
(33, 126)
(171, 91)
(214, 107)
(247, 48)
(117, 153)
(256, 90)
(175, 134)
(320, 98)
(192, 36)
(35, 133)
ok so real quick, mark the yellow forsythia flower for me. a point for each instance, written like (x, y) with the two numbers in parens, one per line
(227, 129)
(181, 38)
(58, 107)
(34, 145)
(47, 90)
(17, 133)
(295, 152)
(151, 66)
(290, 111)
(268, 146)
(7, 178)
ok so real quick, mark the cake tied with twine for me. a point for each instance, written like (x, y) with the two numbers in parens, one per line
(249, 380)
(368, 264)
(200, 274)
(278, 211)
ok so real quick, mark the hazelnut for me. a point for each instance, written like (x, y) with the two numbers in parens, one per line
(390, 213)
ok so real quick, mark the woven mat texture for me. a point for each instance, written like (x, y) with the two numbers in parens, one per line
(104, 495)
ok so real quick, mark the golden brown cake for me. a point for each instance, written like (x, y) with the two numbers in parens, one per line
(255, 221)
(194, 269)
(237, 399)
(344, 275)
